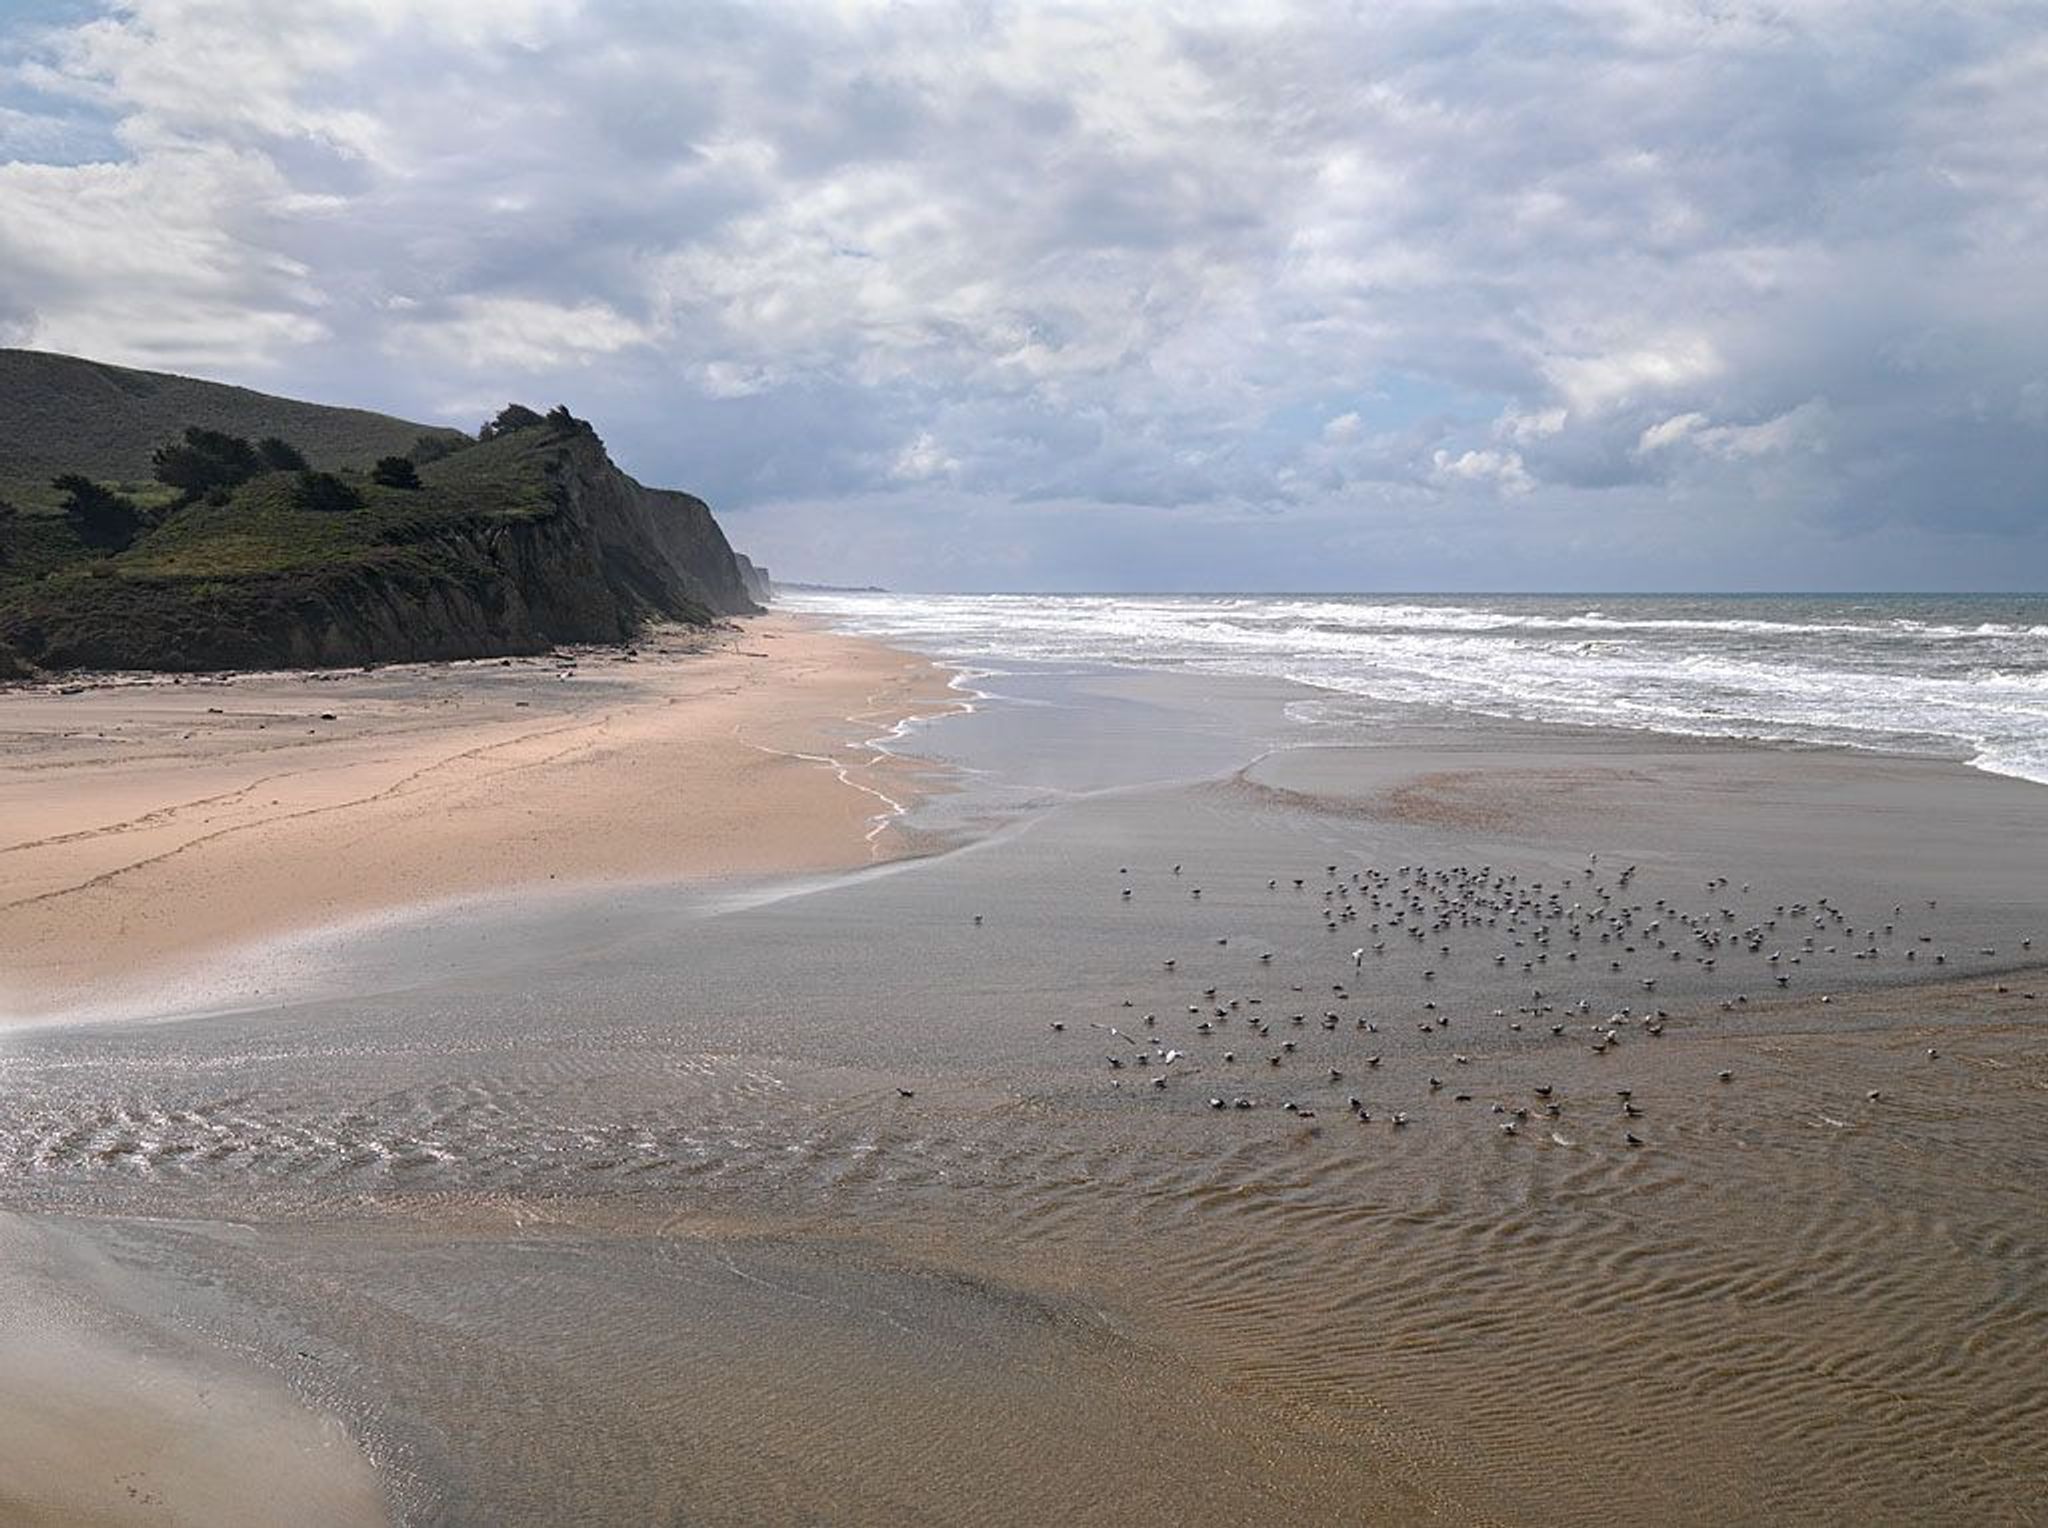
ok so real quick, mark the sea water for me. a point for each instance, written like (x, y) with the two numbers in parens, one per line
(1956, 676)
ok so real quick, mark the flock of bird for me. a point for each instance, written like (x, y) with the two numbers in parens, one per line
(1580, 930)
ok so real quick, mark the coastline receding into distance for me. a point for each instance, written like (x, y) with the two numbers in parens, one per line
(1378, 1119)
(547, 977)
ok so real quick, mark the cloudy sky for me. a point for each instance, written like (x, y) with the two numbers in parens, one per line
(980, 295)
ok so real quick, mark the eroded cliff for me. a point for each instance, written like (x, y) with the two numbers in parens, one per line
(509, 546)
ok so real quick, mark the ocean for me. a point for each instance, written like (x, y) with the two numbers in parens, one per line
(1953, 676)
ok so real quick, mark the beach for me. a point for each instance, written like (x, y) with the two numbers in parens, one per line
(155, 826)
(1209, 1119)
(1000, 766)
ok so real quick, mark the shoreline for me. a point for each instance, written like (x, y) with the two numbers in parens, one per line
(1914, 675)
(707, 1155)
(204, 817)
(819, 762)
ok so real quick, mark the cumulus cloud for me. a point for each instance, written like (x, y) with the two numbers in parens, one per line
(1500, 469)
(1288, 273)
(518, 336)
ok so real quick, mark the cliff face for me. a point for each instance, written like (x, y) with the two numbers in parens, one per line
(657, 545)
(760, 588)
(573, 551)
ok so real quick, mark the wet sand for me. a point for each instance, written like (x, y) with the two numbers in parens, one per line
(109, 1415)
(800, 1206)
(150, 827)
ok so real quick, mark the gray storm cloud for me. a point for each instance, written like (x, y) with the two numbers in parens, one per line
(1109, 295)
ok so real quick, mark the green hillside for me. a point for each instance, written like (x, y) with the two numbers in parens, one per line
(69, 415)
(273, 533)
(213, 584)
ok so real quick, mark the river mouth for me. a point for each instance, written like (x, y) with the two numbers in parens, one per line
(832, 1203)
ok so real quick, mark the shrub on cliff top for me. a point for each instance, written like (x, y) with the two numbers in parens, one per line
(325, 494)
(206, 463)
(432, 448)
(279, 455)
(395, 472)
(100, 517)
(511, 418)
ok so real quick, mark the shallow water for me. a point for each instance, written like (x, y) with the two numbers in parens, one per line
(634, 1223)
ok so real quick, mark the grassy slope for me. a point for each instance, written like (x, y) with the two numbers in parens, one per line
(259, 532)
(232, 567)
(71, 415)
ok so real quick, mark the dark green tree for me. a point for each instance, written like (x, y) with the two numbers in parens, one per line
(325, 494)
(279, 455)
(512, 417)
(100, 517)
(205, 462)
(395, 472)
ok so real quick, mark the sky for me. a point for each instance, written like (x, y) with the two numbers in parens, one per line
(1557, 296)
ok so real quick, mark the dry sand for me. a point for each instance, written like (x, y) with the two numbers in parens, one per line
(146, 826)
